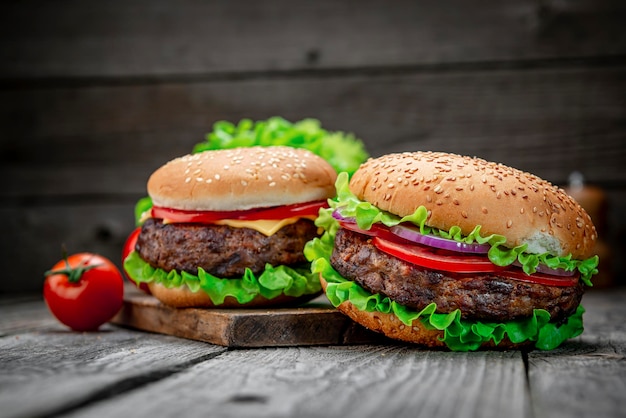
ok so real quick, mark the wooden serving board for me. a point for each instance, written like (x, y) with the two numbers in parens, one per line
(313, 323)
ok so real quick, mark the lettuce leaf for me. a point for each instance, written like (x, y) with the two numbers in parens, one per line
(344, 152)
(367, 214)
(273, 282)
(458, 334)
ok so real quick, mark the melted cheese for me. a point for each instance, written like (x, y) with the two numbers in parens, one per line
(266, 227)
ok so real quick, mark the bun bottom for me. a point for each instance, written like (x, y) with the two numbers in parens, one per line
(182, 297)
(390, 326)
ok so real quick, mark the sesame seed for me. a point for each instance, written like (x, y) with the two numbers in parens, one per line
(272, 184)
(521, 210)
(188, 179)
(438, 189)
(464, 214)
(244, 183)
(509, 224)
(217, 177)
(484, 210)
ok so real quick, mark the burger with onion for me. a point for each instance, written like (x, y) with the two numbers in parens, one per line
(227, 228)
(450, 251)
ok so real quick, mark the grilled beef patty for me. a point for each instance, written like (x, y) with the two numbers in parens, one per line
(481, 296)
(219, 249)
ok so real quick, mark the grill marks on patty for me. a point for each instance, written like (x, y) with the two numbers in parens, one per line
(486, 297)
(219, 249)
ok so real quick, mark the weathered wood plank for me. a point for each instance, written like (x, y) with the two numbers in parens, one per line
(26, 315)
(34, 236)
(357, 381)
(155, 38)
(586, 377)
(313, 323)
(545, 121)
(54, 370)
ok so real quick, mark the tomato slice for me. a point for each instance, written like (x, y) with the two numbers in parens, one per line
(540, 278)
(274, 212)
(448, 261)
(377, 230)
(436, 259)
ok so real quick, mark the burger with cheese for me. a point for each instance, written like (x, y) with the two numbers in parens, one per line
(227, 228)
(449, 251)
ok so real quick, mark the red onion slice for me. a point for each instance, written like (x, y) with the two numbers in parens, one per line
(342, 218)
(413, 234)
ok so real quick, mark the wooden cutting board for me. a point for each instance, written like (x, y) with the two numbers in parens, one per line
(313, 323)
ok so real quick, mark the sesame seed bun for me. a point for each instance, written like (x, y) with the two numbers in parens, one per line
(465, 191)
(241, 179)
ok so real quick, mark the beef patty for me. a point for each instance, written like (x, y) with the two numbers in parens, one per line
(481, 296)
(219, 249)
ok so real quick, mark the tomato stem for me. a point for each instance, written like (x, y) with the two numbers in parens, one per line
(73, 274)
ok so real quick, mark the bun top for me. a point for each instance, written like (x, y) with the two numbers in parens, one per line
(465, 191)
(242, 178)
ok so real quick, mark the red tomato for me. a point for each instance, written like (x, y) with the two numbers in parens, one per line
(458, 263)
(376, 230)
(436, 259)
(541, 278)
(129, 246)
(275, 212)
(83, 291)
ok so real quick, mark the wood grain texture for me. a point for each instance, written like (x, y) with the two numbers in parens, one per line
(109, 373)
(152, 39)
(545, 121)
(54, 370)
(312, 323)
(357, 381)
(585, 377)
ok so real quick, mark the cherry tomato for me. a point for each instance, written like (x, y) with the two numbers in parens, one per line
(83, 291)
(129, 247)
(275, 212)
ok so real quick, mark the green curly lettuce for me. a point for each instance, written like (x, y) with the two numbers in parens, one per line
(367, 214)
(458, 334)
(273, 282)
(344, 152)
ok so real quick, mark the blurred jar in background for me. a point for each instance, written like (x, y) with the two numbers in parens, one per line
(594, 200)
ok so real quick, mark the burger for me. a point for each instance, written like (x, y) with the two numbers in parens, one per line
(455, 252)
(227, 228)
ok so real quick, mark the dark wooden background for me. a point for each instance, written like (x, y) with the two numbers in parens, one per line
(95, 95)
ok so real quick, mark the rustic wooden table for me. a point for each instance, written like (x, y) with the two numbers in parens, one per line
(48, 371)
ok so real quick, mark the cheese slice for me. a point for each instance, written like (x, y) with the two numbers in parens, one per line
(267, 227)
